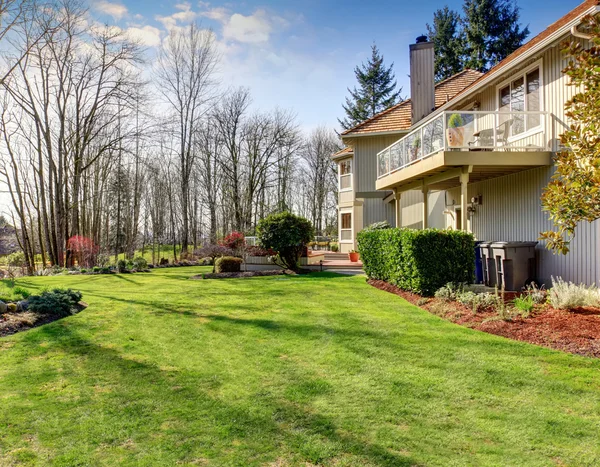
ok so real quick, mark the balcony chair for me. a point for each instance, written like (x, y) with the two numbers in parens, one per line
(484, 139)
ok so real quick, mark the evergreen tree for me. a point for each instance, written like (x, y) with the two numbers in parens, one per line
(492, 32)
(449, 43)
(376, 91)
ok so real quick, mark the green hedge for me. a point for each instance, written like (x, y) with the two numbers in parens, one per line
(228, 264)
(421, 261)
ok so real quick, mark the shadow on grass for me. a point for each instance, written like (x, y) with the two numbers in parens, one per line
(144, 397)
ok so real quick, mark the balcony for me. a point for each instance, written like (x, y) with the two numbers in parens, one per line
(487, 144)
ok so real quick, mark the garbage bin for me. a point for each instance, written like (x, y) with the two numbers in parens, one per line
(478, 265)
(514, 264)
(488, 266)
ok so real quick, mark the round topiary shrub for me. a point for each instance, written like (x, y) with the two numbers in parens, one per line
(287, 234)
(228, 264)
(139, 263)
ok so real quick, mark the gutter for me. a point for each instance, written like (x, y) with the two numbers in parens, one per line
(582, 35)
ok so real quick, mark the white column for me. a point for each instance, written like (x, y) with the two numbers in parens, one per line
(464, 181)
(425, 191)
(398, 208)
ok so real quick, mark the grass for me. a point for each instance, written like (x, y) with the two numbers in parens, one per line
(277, 371)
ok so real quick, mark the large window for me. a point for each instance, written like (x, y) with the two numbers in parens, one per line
(345, 181)
(346, 226)
(521, 94)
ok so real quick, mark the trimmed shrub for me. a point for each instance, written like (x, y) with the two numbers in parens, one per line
(121, 265)
(139, 263)
(228, 264)
(421, 261)
(287, 234)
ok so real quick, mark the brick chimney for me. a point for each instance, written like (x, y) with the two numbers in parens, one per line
(422, 90)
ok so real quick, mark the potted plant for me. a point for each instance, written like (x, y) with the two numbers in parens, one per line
(416, 145)
(354, 255)
(455, 133)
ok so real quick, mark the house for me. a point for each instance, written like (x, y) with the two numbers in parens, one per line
(473, 152)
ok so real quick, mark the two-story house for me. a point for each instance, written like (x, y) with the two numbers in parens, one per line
(473, 152)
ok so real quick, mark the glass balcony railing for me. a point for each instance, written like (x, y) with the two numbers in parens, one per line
(466, 131)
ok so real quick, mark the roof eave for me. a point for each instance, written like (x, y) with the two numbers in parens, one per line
(490, 76)
(375, 133)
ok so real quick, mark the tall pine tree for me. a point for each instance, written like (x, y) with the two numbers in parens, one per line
(448, 41)
(376, 91)
(492, 32)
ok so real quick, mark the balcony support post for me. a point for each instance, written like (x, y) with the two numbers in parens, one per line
(464, 181)
(398, 207)
(425, 190)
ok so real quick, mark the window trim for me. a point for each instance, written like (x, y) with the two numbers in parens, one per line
(351, 229)
(523, 74)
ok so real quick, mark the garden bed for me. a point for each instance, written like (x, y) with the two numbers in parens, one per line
(241, 274)
(576, 331)
(17, 321)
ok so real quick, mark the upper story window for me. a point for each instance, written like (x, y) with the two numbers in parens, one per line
(522, 94)
(345, 175)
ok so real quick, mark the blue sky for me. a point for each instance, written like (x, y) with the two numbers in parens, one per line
(301, 55)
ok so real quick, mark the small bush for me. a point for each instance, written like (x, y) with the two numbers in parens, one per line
(96, 269)
(538, 295)
(258, 251)
(16, 259)
(334, 247)
(228, 264)
(139, 263)
(421, 261)
(567, 295)
(59, 302)
(448, 292)
(524, 304)
(478, 302)
(24, 293)
(121, 265)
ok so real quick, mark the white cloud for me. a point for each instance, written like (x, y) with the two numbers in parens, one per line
(184, 15)
(146, 35)
(218, 14)
(255, 28)
(116, 10)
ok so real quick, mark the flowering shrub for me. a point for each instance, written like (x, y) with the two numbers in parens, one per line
(259, 251)
(235, 241)
(213, 251)
(84, 250)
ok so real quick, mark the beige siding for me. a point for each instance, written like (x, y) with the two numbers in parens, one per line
(375, 210)
(511, 211)
(365, 160)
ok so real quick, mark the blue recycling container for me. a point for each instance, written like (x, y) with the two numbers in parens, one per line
(478, 265)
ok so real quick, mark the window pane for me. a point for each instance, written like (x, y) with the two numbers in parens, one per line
(345, 182)
(505, 98)
(346, 221)
(346, 167)
(517, 104)
(346, 235)
(533, 97)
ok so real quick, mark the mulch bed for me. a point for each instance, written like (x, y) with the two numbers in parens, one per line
(575, 331)
(235, 275)
(11, 323)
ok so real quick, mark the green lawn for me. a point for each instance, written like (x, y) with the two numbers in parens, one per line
(278, 371)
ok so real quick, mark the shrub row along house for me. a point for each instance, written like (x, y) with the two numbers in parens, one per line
(473, 152)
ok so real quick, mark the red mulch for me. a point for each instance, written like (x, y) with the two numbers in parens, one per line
(575, 331)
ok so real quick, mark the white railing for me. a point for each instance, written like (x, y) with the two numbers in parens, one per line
(467, 131)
